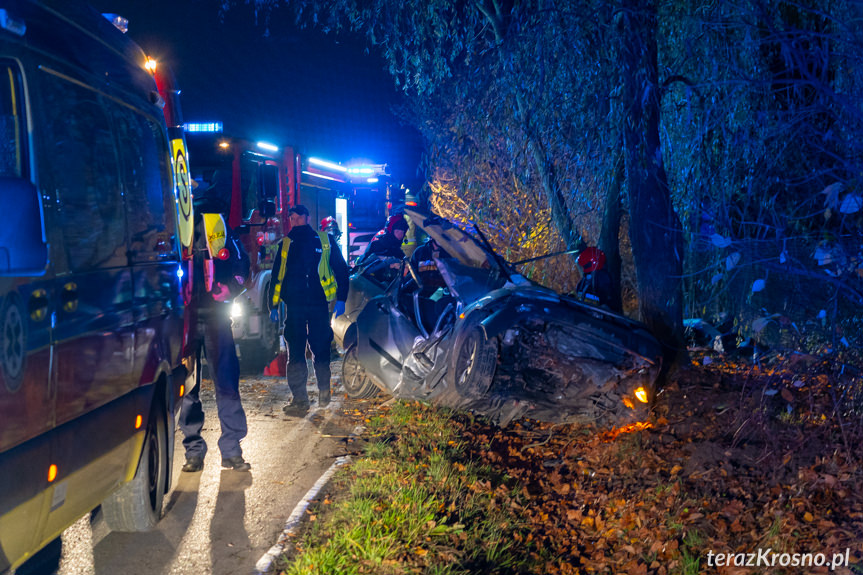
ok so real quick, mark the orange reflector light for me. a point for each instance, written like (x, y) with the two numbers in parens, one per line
(52, 473)
(182, 390)
(461, 315)
(138, 421)
(641, 394)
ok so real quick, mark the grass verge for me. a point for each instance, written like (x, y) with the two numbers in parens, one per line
(415, 503)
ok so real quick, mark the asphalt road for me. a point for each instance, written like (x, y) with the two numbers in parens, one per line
(222, 521)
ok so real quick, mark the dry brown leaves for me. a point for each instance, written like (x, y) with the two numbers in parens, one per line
(725, 465)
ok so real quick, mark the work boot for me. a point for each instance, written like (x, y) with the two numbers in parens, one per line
(296, 409)
(193, 464)
(324, 397)
(237, 463)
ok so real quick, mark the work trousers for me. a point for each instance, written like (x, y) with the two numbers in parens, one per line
(309, 324)
(215, 339)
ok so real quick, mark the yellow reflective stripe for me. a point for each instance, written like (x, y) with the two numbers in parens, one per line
(286, 243)
(325, 271)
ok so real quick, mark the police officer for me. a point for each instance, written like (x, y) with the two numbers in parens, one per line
(310, 271)
(221, 267)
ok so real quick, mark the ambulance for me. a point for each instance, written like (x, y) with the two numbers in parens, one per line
(91, 281)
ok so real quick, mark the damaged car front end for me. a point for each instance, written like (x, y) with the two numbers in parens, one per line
(491, 341)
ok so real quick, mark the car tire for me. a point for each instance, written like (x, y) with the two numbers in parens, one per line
(137, 505)
(474, 361)
(357, 382)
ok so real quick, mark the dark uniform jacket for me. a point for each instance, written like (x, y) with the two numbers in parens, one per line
(386, 245)
(301, 285)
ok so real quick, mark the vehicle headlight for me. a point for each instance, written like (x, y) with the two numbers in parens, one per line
(236, 309)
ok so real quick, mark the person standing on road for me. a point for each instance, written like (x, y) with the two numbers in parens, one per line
(221, 267)
(310, 272)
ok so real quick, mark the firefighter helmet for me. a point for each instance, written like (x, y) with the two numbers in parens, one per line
(396, 222)
(591, 259)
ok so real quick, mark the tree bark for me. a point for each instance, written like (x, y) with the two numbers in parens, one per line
(655, 230)
(609, 237)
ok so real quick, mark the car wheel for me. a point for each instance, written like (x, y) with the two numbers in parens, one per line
(473, 364)
(137, 505)
(357, 382)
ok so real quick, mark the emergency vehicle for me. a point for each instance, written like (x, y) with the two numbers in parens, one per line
(91, 303)
(241, 174)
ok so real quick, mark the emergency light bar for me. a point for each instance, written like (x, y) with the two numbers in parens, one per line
(268, 147)
(362, 171)
(326, 164)
(203, 127)
(120, 23)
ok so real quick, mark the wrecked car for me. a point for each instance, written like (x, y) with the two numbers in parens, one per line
(489, 340)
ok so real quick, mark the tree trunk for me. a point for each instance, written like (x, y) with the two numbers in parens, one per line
(609, 238)
(655, 231)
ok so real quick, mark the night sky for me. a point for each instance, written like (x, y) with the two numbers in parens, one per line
(321, 93)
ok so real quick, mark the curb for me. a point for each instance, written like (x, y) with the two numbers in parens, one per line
(265, 563)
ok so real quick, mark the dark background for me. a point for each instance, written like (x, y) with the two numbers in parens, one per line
(266, 79)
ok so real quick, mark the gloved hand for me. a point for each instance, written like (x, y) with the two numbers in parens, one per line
(340, 308)
(221, 292)
(274, 315)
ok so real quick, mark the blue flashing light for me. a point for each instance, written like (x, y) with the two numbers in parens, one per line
(327, 164)
(180, 272)
(268, 147)
(361, 171)
(210, 127)
(372, 180)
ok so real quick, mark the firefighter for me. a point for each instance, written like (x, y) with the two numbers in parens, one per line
(331, 226)
(595, 285)
(221, 268)
(387, 242)
(310, 272)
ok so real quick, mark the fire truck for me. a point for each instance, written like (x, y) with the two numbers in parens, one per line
(245, 175)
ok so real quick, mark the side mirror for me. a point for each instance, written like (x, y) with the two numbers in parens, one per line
(23, 250)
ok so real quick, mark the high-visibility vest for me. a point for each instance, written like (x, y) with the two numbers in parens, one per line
(325, 272)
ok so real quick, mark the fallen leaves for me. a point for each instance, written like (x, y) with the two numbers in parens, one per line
(714, 470)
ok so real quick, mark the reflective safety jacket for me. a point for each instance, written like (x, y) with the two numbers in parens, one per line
(308, 270)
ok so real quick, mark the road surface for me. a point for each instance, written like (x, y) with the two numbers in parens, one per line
(222, 521)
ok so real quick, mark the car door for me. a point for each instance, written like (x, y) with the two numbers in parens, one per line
(93, 332)
(26, 407)
(385, 338)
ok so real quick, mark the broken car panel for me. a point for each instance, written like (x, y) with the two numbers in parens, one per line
(491, 341)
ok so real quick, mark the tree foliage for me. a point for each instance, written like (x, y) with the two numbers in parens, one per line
(742, 137)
